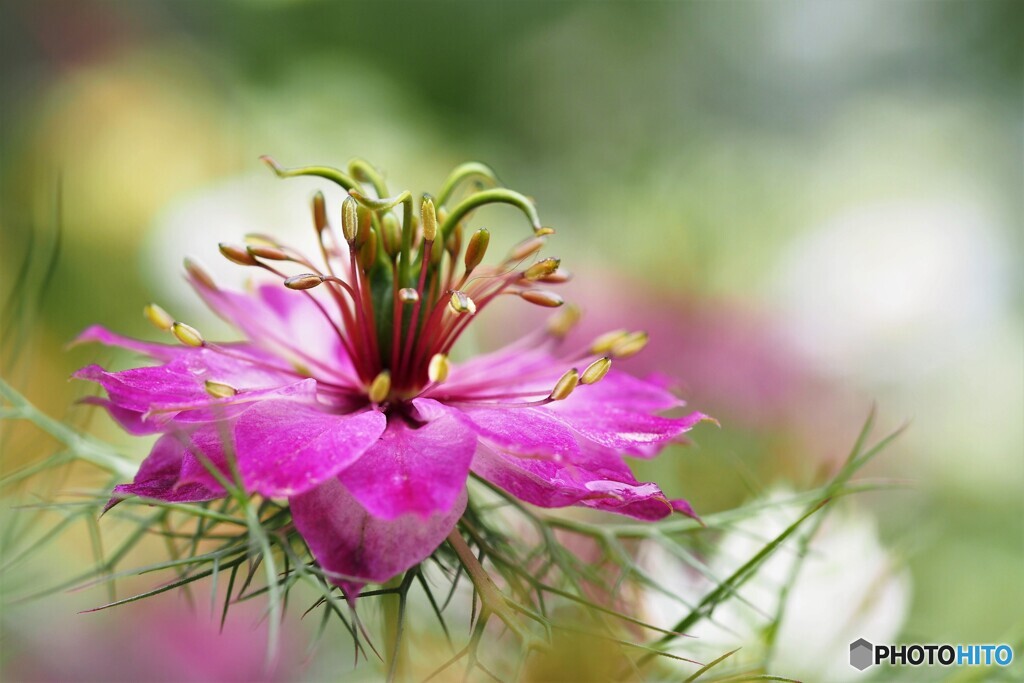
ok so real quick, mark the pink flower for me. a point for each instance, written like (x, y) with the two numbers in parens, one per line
(362, 423)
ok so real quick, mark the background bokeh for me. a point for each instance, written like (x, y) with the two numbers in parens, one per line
(813, 206)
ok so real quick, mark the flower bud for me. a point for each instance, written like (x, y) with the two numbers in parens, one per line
(304, 281)
(380, 387)
(542, 297)
(596, 371)
(558, 277)
(187, 335)
(160, 318)
(439, 367)
(565, 385)
(349, 219)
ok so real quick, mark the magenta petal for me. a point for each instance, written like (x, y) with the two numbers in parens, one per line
(164, 352)
(354, 547)
(159, 477)
(421, 470)
(631, 432)
(526, 431)
(286, 448)
(597, 479)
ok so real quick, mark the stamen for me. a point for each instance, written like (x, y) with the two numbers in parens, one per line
(565, 385)
(187, 335)
(391, 235)
(349, 219)
(428, 219)
(526, 248)
(257, 240)
(408, 295)
(268, 253)
(219, 389)
(596, 371)
(542, 297)
(304, 281)
(558, 277)
(560, 324)
(319, 212)
(629, 345)
(237, 254)
(368, 252)
(380, 387)
(541, 269)
(199, 274)
(476, 249)
(461, 303)
(606, 341)
(439, 368)
(160, 318)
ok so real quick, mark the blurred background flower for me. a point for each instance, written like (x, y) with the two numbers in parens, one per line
(811, 206)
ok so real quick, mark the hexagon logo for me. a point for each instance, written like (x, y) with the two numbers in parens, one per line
(861, 654)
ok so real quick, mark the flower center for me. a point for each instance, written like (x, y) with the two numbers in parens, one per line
(403, 285)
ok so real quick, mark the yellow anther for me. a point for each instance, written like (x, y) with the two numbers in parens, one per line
(408, 295)
(219, 389)
(428, 219)
(542, 297)
(596, 371)
(476, 248)
(254, 239)
(160, 318)
(606, 341)
(565, 385)
(543, 231)
(380, 387)
(541, 269)
(560, 324)
(461, 303)
(304, 281)
(439, 367)
(187, 335)
(349, 219)
(629, 345)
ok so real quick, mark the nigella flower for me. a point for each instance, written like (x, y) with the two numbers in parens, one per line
(342, 398)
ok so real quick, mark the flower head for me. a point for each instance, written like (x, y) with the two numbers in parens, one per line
(343, 400)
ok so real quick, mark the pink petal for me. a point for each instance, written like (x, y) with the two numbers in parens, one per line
(355, 547)
(631, 432)
(598, 479)
(286, 448)
(159, 477)
(419, 470)
(285, 323)
(526, 431)
(96, 333)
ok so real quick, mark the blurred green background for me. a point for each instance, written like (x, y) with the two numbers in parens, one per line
(819, 203)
